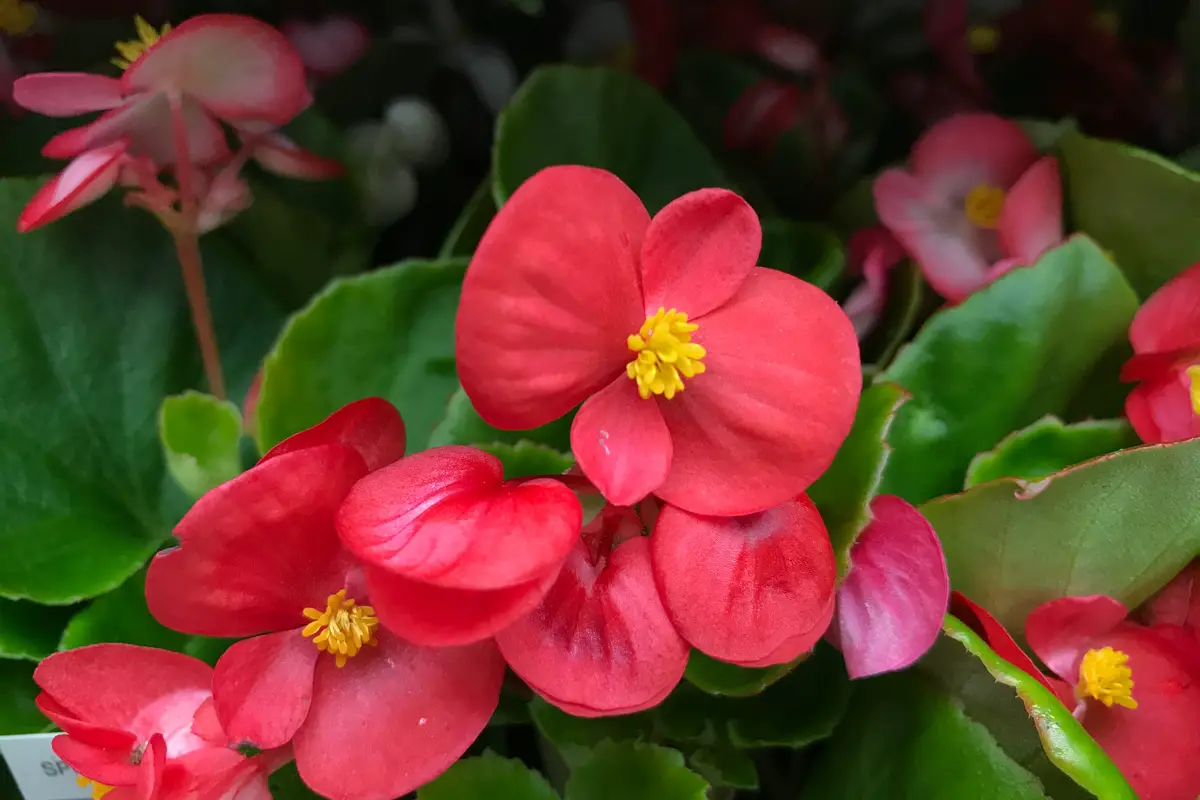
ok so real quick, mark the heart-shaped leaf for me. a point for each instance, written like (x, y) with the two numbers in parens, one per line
(200, 437)
(29, 630)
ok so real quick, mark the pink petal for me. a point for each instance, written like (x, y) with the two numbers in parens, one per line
(263, 687)
(85, 180)
(891, 605)
(1170, 318)
(1060, 631)
(395, 717)
(1161, 411)
(65, 94)
(874, 252)
(761, 114)
(263, 546)
(965, 150)
(622, 443)
(279, 154)
(235, 66)
(93, 735)
(371, 426)
(601, 641)
(443, 516)
(328, 47)
(113, 767)
(698, 250)
(1178, 603)
(1031, 219)
(775, 403)
(146, 122)
(551, 297)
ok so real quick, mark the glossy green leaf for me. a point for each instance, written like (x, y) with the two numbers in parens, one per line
(800, 709)
(1136, 204)
(285, 784)
(635, 771)
(721, 678)
(904, 737)
(576, 737)
(807, 250)
(526, 458)
(94, 332)
(843, 494)
(600, 118)
(463, 425)
(476, 215)
(1122, 525)
(1048, 446)
(121, 616)
(200, 437)
(388, 333)
(488, 776)
(1007, 355)
(725, 766)
(29, 630)
(18, 713)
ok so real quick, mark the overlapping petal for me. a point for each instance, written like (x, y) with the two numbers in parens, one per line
(965, 150)
(65, 94)
(1169, 320)
(279, 154)
(1161, 410)
(85, 180)
(1031, 221)
(262, 688)
(1061, 630)
(622, 443)
(371, 426)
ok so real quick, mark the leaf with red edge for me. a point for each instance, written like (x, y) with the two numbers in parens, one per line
(1048, 446)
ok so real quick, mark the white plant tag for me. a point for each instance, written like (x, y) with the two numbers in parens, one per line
(39, 773)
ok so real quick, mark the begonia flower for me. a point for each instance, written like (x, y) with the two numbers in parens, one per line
(320, 670)
(1165, 334)
(873, 253)
(753, 590)
(891, 604)
(137, 723)
(719, 386)
(975, 202)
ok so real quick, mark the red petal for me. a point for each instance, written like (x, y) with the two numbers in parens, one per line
(151, 767)
(263, 546)
(1060, 631)
(85, 180)
(111, 766)
(960, 152)
(263, 687)
(65, 94)
(1158, 366)
(1031, 220)
(551, 297)
(372, 426)
(601, 641)
(891, 605)
(1161, 411)
(777, 399)
(444, 517)
(1178, 603)
(739, 588)
(622, 443)
(236, 66)
(1170, 318)
(279, 154)
(99, 736)
(395, 717)
(698, 251)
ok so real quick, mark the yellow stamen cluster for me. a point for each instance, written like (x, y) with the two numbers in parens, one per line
(1193, 373)
(343, 628)
(983, 39)
(98, 789)
(1105, 675)
(132, 50)
(665, 354)
(983, 205)
(17, 16)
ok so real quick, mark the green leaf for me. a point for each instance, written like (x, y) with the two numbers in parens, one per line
(576, 737)
(200, 437)
(526, 458)
(388, 333)
(843, 494)
(285, 784)
(721, 678)
(807, 250)
(1048, 446)
(1007, 355)
(121, 616)
(1136, 204)
(95, 332)
(725, 766)
(1047, 134)
(476, 215)
(903, 737)
(29, 630)
(635, 771)
(488, 776)
(1121, 525)
(18, 713)
(463, 425)
(906, 302)
(600, 118)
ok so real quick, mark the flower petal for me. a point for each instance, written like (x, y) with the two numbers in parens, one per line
(962, 151)
(85, 180)
(395, 717)
(1170, 318)
(1178, 603)
(65, 94)
(738, 588)
(263, 546)
(1161, 411)
(263, 687)
(330, 46)
(601, 641)
(443, 516)
(109, 766)
(235, 66)
(622, 443)
(551, 297)
(874, 252)
(1031, 219)
(279, 154)
(371, 426)
(891, 605)
(698, 250)
(775, 403)
(1060, 631)
(82, 731)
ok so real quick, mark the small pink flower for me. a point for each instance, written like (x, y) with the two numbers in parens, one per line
(329, 46)
(873, 252)
(975, 202)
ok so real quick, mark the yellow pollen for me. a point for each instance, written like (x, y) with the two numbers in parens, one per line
(983, 39)
(132, 50)
(1193, 373)
(665, 354)
(342, 628)
(17, 16)
(98, 789)
(983, 205)
(1105, 676)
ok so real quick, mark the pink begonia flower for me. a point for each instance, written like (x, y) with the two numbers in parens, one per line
(872, 252)
(975, 202)
(329, 46)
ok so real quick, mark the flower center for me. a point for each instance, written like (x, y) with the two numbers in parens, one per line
(132, 50)
(983, 205)
(1105, 675)
(17, 16)
(342, 628)
(98, 789)
(1193, 373)
(665, 354)
(983, 39)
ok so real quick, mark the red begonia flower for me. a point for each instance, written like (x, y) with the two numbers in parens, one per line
(600, 642)
(753, 590)
(134, 725)
(266, 551)
(975, 202)
(576, 295)
(1165, 334)
(891, 605)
